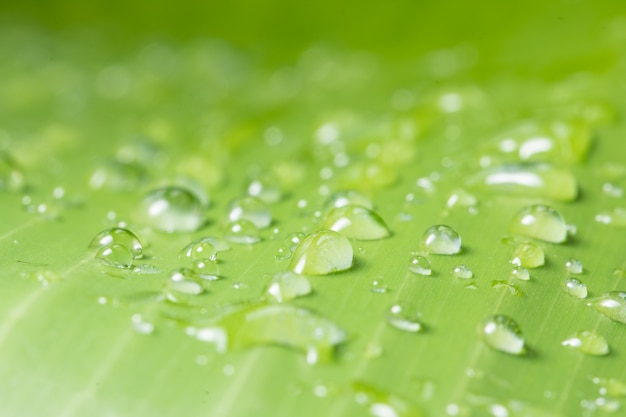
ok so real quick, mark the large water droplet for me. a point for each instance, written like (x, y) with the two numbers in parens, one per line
(502, 333)
(115, 256)
(540, 222)
(528, 255)
(612, 304)
(243, 232)
(588, 342)
(615, 217)
(118, 236)
(286, 286)
(321, 253)
(379, 286)
(356, 222)
(441, 240)
(347, 198)
(404, 317)
(420, 265)
(172, 210)
(575, 287)
(250, 209)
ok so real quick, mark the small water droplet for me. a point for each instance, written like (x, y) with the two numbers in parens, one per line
(513, 289)
(612, 304)
(345, 198)
(266, 188)
(588, 342)
(379, 286)
(420, 265)
(322, 253)
(356, 222)
(183, 282)
(242, 232)
(206, 269)
(441, 240)
(118, 236)
(462, 272)
(171, 210)
(503, 333)
(575, 287)
(250, 209)
(528, 255)
(282, 253)
(404, 317)
(286, 286)
(199, 250)
(461, 198)
(116, 256)
(540, 222)
(615, 217)
(118, 175)
(520, 273)
(45, 277)
(574, 266)
(140, 325)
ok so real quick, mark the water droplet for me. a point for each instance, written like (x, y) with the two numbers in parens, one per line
(117, 175)
(404, 317)
(172, 210)
(250, 209)
(45, 277)
(282, 253)
(612, 304)
(532, 180)
(286, 286)
(347, 198)
(575, 287)
(528, 255)
(513, 289)
(243, 232)
(462, 272)
(420, 265)
(441, 240)
(540, 222)
(146, 269)
(183, 282)
(520, 273)
(503, 333)
(206, 269)
(356, 222)
(379, 286)
(140, 325)
(322, 253)
(199, 250)
(266, 188)
(461, 198)
(588, 342)
(381, 403)
(118, 236)
(615, 217)
(116, 256)
(574, 266)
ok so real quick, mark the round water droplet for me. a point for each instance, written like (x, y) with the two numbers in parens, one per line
(420, 265)
(588, 342)
(462, 272)
(356, 222)
(574, 266)
(243, 232)
(250, 209)
(116, 256)
(206, 269)
(612, 304)
(183, 282)
(322, 253)
(379, 286)
(119, 236)
(520, 273)
(172, 210)
(266, 188)
(346, 198)
(575, 287)
(540, 222)
(441, 240)
(404, 317)
(199, 250)
(502, 333)
(615, 217)
(286, 286)
(282, 253)
(528, 255)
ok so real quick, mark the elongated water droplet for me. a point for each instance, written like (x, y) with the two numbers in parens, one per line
(532, 179)
(404, 317)
(171, 210)
(115, 256)
(441, 240)
(540, 222)
(356, 222)
(322, 253)
(243, 232)
(502, 333)
(512, 288)
(119, 236)
(250, 209)
(574, 266)
(420, 265)
(612, 304)
(528, 255)
(286, 286)
(347, 198)
(520, 273)
(462, 272)
(198, 250)
(588, 342)
(575, 287)
(615, 217)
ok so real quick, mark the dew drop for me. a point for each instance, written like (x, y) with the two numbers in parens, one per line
(199, 250)
(611, 387)
(347, 198)
(612, 304)
(286, 286)
(250, 209)
(613, 190)
(461, 198)
(118, 236)
(462, 272)
(574, 266)
(356, 222)
(404, 317)
(183, 282)
(115, 256)
(206, 269)
(528, 255)
(45, 277)
(615, 217)
(322, 253)
(540, 222)
(513, 289)
(266, 188)
(146, 269)
(575, 287)
(588, 342)
(502, 333)
(441, 240)
(172, 210)
(117, 175)
(420, 265)
(140, 325)
(242, 232)
(520, 273)
(379, 286)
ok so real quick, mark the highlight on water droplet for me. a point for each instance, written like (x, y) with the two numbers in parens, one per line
(118, 236)
(528, 255)
(266, 188)
(250, 209)
(199, 249)
(172, 210)
(540, 222)
(615, 217)
(206, 269)
(588, 342)
(242, 232)
(612, 304)
(287, 285)
(356, 222)
(379, 286)
(520, 273)
(502, 333)
(574, 266)
(404, 317)
(462, 272)
(420, 265)
(321, 253)
(441, 240)
(575, 287)
(115, 256)
(347, 198)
